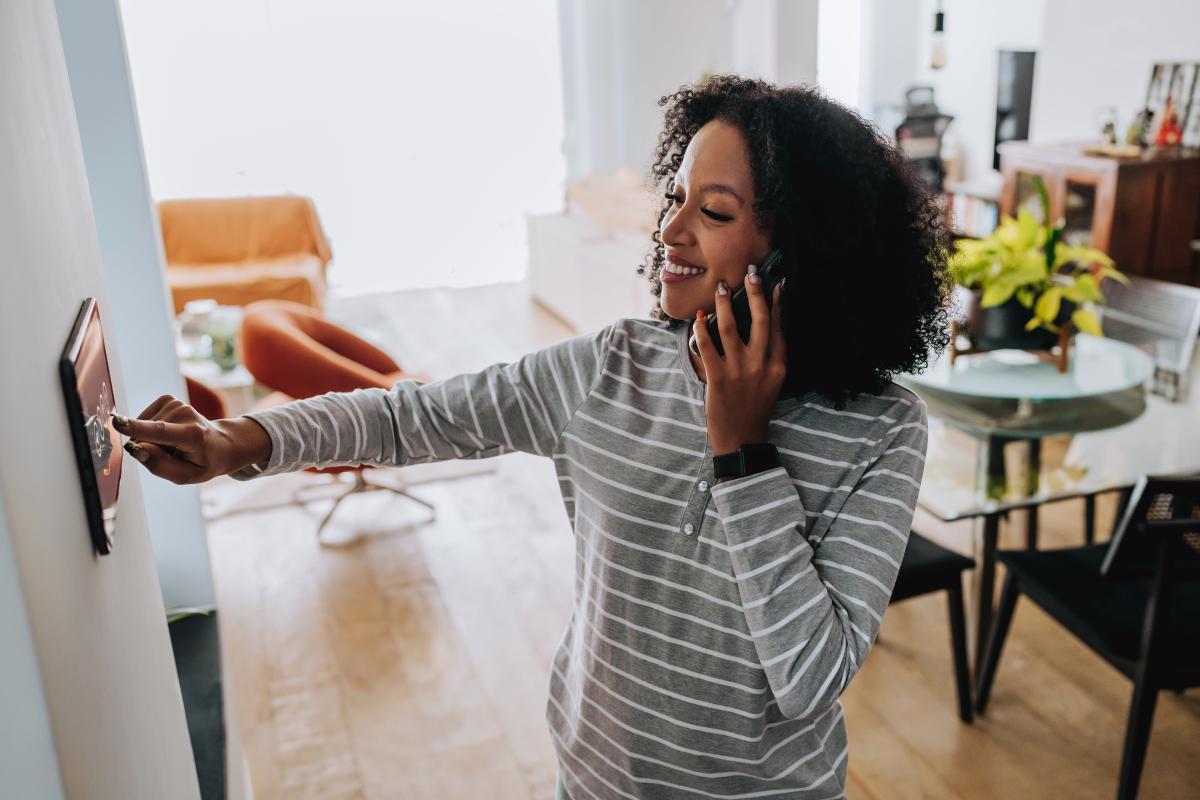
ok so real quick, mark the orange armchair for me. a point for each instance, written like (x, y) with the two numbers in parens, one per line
(296, 352)
(241, 249)
(204, 399)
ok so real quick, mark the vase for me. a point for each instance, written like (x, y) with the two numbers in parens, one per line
(1003, 326)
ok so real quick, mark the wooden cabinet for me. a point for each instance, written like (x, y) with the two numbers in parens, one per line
(1143, 211)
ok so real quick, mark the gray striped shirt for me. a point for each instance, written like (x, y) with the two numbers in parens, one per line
(714, 626)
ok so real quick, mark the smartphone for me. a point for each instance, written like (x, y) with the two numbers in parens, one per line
(771, 273)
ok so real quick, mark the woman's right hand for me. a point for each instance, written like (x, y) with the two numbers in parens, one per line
(176, 442)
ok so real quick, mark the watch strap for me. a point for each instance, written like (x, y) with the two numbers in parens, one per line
(746, 460)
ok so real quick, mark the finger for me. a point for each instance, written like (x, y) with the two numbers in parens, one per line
(149, 411)
(726, 322)
(778, 349)
(704, 343)
(153, 458)
(156, 430)
(760, 316)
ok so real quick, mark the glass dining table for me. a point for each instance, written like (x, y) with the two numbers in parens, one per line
(989, 413)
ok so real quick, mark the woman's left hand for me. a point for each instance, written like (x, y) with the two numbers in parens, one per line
(744, 384)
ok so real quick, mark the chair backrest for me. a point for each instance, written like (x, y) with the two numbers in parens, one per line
(292, 349)
(1160, 317)
(1163, 511)
(234, 230)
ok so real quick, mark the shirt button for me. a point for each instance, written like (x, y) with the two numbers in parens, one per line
(703, 486)
(688, 528)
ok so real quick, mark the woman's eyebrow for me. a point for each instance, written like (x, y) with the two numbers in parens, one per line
(722, 188)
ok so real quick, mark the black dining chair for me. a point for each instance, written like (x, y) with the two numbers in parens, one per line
(926, 568)
(1134, 600)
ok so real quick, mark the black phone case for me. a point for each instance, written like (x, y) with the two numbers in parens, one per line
(771, 274)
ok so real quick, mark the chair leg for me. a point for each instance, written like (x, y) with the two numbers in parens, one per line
(958, 644)
(1137, 735)
(1089, 519)
(999, 631)
(357, 487)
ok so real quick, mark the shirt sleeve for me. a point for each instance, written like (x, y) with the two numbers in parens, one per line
(814, 611)
(507, 407)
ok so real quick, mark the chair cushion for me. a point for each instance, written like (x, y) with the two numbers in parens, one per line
(300, 280)
(241, 229)
(927, 567)
(1106, 614)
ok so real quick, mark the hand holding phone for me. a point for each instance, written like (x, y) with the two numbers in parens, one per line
(771, 273)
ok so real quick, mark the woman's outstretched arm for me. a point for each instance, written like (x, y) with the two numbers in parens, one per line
(519, 406)
(814, 609)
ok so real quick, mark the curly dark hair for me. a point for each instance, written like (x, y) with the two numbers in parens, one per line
(864, 241)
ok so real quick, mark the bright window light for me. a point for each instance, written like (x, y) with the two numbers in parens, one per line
(423, 131)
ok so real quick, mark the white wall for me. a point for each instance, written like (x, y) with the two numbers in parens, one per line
(131, 246)
(96, 624)
(424, 131)
(621, 56)
(966, 86)
(1098, 53)
(27, 758)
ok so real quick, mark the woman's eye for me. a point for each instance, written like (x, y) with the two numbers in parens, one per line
(676, 200)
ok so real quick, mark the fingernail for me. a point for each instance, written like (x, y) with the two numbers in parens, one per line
(119, 420)
(752, 269)
(136, 450)
(754, 279)
(699, 313)
(722, 289)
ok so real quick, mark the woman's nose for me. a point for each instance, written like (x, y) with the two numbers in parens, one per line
(676, 227)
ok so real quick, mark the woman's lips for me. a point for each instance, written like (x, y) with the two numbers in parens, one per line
(672, 277)
(683, 262)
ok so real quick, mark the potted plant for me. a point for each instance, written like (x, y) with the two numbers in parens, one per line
(1026, 283)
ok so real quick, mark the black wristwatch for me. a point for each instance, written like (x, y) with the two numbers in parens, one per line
(746, 460)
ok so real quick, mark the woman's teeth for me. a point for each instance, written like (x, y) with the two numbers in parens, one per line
(678, 270)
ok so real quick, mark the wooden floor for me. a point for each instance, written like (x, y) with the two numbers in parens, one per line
(411, 660)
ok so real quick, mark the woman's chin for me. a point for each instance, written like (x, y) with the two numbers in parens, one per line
(680, 301)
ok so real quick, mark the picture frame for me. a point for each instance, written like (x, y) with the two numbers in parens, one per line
(90, 401)
(1175, 84)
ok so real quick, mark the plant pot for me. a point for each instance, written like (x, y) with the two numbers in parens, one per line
(1003, 326)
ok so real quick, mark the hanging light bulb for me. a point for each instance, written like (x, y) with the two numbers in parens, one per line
(937, 56)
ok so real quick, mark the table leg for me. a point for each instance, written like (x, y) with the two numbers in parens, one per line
(1034, 478)
(985, 583)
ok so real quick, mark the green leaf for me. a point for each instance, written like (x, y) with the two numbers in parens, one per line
(1025, 296)
(997, 294)
(1034, 322)
(1088, 287)
(1048, 304)
(1086, 321)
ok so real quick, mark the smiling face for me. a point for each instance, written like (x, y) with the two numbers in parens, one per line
(710, 225)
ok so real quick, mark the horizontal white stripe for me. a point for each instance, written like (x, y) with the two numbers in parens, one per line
(691, 426)
(861, 546)
(653, 392)
(628, 461)
(640, 439)
(871, 579)
(723, 756)
(788, 770)
(671, 501)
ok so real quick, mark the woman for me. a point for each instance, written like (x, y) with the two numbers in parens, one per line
(718, 614)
